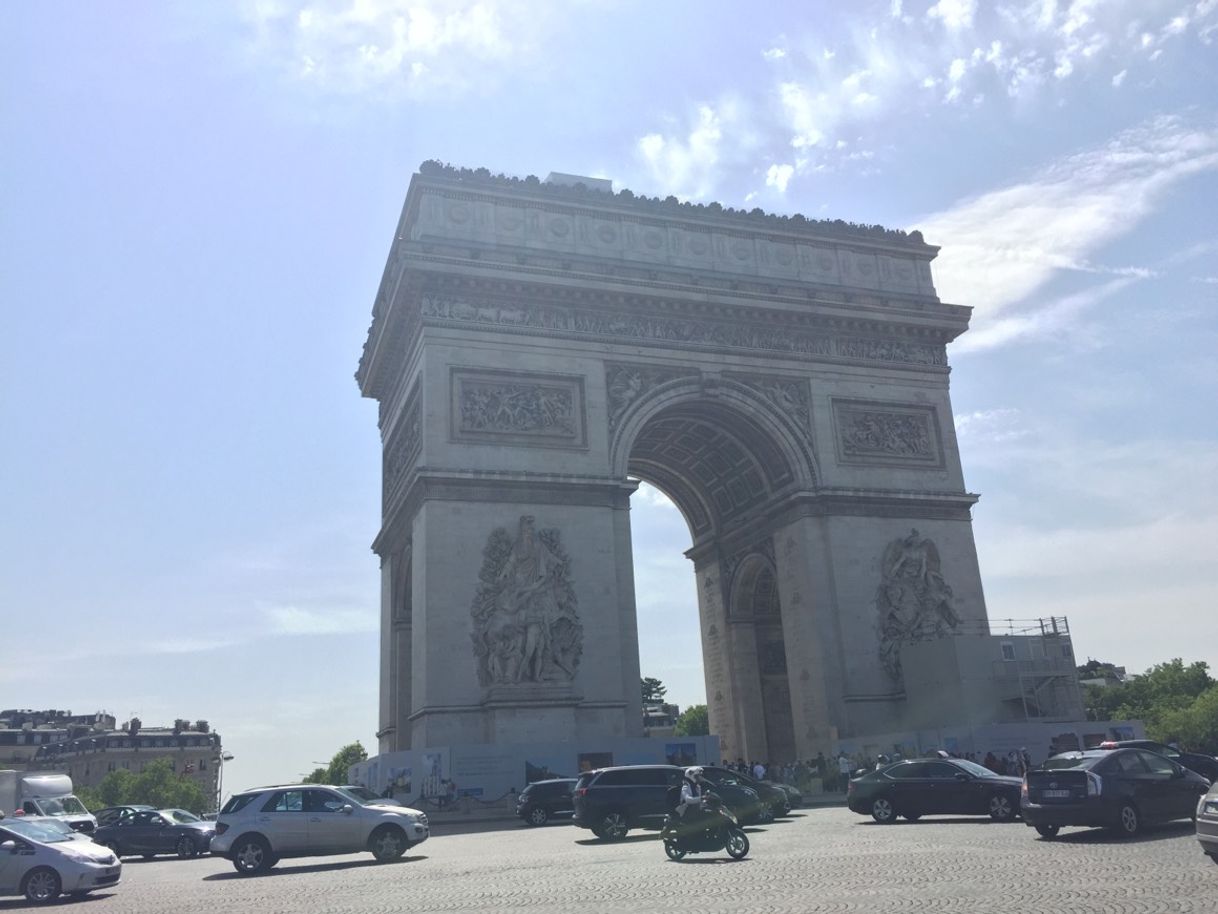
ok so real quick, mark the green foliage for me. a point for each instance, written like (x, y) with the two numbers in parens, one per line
(157, 785)
(336, 772)
(694, 721)
(1177, 702)
(653, 689)
(1195, 727)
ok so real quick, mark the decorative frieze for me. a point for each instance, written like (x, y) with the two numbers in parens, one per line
(516, 408)
(887, 434)
(748, 334)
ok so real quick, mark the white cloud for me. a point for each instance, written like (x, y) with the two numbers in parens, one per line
(689, 166)
(1002, 246)
(1119, 78)
(411, 46)
(779, 176)
(296, 620)
(774, 54)
(954, 14)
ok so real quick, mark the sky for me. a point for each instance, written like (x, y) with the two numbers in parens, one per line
(198, 199)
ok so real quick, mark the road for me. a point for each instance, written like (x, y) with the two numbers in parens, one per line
(819, 860)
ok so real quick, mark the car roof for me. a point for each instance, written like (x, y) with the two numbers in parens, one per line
(633, 768)
(554, 781)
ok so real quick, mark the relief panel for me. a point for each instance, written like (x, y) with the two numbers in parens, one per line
(887, 434)
(503, 407)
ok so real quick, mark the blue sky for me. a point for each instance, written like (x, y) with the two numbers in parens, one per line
(198, 202)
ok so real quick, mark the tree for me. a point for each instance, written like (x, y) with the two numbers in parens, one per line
(653, 690)
(336, 772)
(694, 721)
(157, 785)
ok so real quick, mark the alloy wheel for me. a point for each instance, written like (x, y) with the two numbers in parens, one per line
(882, 810)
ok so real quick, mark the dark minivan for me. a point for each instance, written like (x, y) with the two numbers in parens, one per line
(1121, 789)
(611, 801)
(543, 800)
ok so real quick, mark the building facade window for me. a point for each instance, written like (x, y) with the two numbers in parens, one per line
(1008, 650)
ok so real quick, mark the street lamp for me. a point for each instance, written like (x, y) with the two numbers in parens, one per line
(219, 761)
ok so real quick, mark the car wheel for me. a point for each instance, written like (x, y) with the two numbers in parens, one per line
(613, 827)
(737, 843)
(252, 855)
(883, 811)
(1001, 808)
(1048, 831)
(538, 816)
(674, 852)
(1129, 823)
(185, 848)
(912, 816)
(765, 814)
(387, 843)
(41, 885)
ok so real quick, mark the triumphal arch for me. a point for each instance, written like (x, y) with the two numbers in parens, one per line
(539, 346)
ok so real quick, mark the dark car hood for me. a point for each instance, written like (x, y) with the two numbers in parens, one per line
(1007, 779)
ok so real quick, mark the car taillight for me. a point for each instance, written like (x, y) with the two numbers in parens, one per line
(221, 828)
(849, 787)
(1095, 785)
(1023, 789)
(581, 791)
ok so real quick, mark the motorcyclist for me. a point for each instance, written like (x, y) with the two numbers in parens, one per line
(693, 791)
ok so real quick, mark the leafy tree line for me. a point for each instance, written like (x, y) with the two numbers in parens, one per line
(157, 785)
(1177, 702)
(336, 772)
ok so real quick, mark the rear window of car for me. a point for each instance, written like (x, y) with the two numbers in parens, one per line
(1060, 762)
(635, 777)
(237, 803)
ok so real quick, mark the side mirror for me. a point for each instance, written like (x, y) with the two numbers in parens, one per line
(962, 777)
(348, 808)
(10, 845)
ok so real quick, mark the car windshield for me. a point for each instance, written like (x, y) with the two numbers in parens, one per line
(62, 806)
(180, 815)
(977, 771)
(361, 796)
(44, 832)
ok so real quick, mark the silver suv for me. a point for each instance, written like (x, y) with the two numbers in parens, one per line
(258, 827)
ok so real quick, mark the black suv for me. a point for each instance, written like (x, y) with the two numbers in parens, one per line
(611, 801)
(542, 800)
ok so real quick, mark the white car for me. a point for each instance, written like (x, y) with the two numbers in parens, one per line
(258, 827)
(41, 859)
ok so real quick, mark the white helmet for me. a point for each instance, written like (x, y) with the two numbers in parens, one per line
(694, 773)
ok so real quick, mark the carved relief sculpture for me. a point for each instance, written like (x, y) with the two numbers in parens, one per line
(913, 601)
(790, 397)
(510, 408)
(887, 434)
(626, 383)
(526, 626)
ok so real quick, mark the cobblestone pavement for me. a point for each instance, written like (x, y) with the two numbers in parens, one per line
(820, 860)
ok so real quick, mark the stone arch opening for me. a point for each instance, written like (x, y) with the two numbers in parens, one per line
(723, 468)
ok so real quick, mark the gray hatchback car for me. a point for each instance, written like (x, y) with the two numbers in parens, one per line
(1207, 823)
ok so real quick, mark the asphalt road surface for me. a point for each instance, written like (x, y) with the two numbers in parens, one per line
(818, 860)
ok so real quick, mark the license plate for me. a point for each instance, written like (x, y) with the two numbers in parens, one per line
(1055, 794)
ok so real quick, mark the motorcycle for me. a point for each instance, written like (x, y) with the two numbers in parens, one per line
(709, 830)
